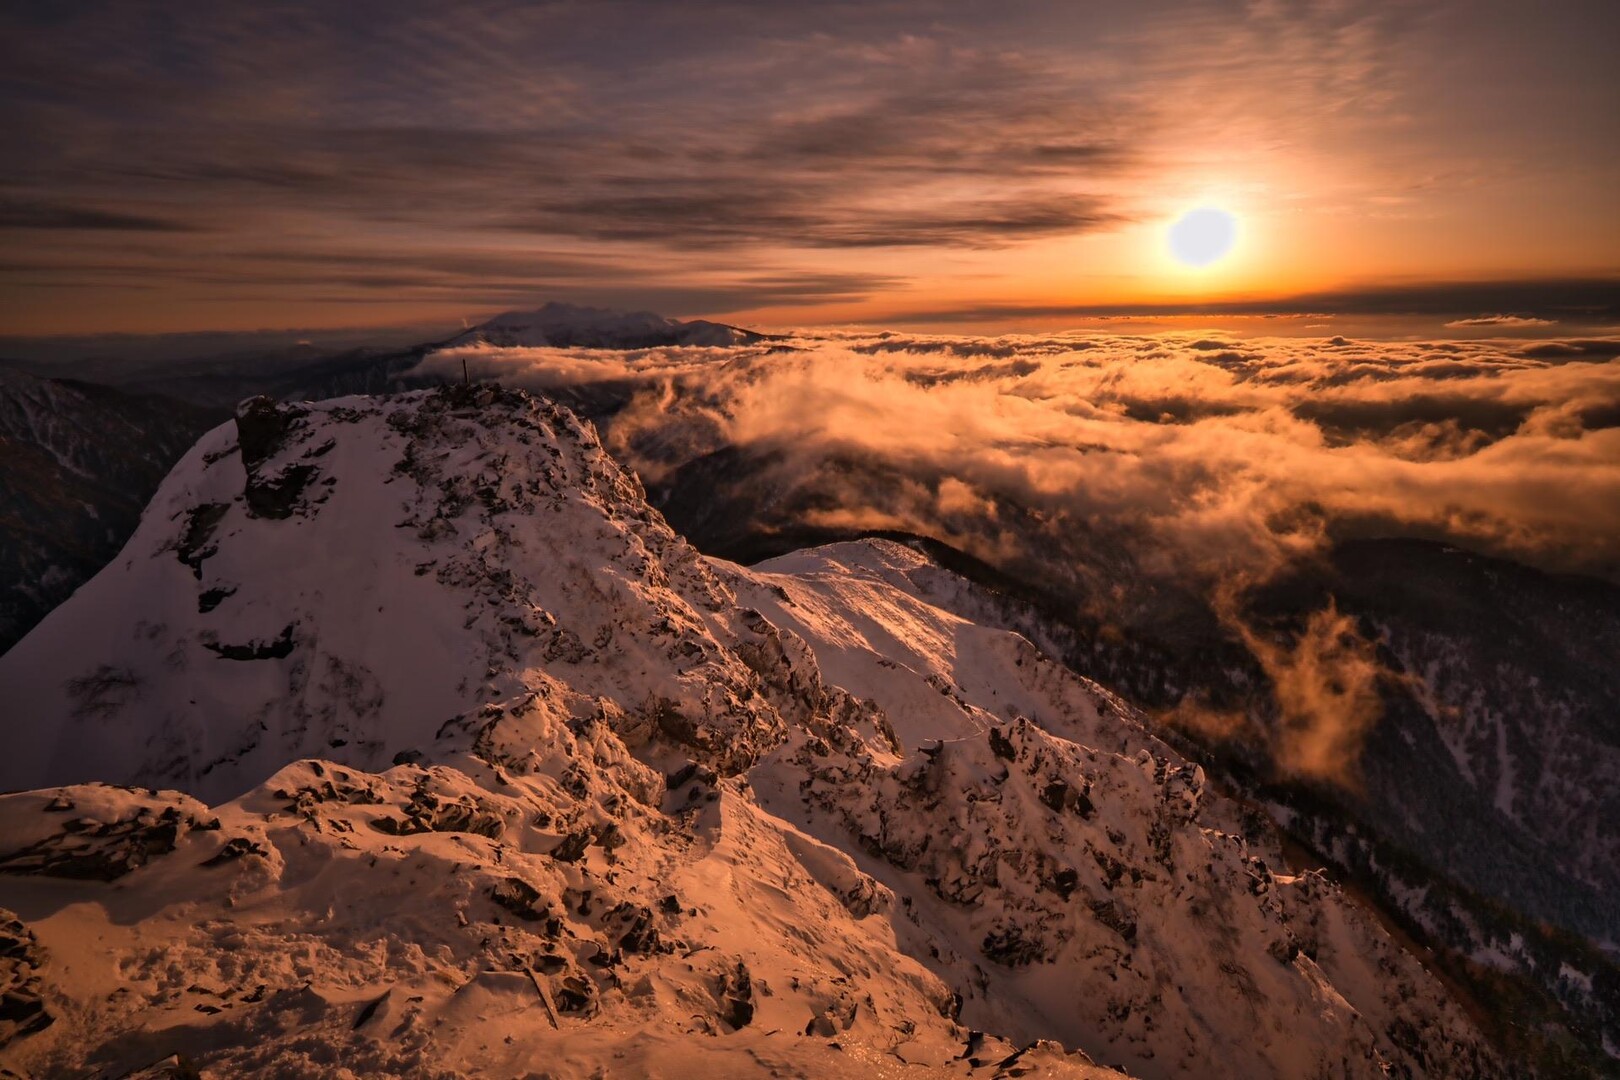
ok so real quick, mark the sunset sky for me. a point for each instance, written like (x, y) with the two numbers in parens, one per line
(176, 167)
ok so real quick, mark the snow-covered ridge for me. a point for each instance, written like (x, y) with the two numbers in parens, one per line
(504, 772)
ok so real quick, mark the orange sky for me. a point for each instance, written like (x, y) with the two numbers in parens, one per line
(324, 168)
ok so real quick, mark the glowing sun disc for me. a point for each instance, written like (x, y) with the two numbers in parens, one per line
(1203, 236)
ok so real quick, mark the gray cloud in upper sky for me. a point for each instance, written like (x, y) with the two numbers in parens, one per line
(403, 142)
(19, 214)
(443, 121)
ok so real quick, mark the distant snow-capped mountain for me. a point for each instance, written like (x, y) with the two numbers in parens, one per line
(483, 765)
(564, 325)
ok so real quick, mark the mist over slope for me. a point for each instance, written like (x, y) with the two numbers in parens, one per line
(1145, 481)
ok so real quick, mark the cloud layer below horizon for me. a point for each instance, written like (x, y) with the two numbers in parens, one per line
(1106, 466)
(1226, 455)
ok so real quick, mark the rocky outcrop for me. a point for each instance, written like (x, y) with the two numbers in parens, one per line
(22, 1008)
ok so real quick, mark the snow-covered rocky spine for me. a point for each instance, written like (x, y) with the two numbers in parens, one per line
(472, 766)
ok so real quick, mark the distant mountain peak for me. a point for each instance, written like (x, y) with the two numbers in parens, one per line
(573, 325)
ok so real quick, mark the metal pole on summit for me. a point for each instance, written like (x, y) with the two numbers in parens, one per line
(465, 381)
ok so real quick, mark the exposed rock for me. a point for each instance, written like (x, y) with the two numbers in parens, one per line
(22, 1008)
(102, 847)
(235, 848)
(736, 995)
(520, 898)
(262, 426)
(281, 646)
(194, 544)
(173, 1067)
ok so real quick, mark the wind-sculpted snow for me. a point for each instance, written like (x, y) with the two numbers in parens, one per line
(528, 788)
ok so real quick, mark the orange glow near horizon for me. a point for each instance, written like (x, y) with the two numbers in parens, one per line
(883, 168)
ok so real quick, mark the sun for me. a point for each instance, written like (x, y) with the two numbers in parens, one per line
(1202, 237)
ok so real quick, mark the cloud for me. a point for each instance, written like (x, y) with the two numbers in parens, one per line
(25, 214)
(1165, 434)
(498, 127)
(1500, 320)
(1325, 683)
(806, 218)
(1114, 469)
(1586, 298)
(1605, 348)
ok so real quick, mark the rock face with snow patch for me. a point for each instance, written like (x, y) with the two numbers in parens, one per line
(346, 579)
(504, 772)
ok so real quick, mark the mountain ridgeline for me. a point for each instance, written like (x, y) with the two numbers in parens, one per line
(416, 735)
(494, 766)
(79, 460)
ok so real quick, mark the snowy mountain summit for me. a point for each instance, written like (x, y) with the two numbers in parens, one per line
(569, 325)
(405, 739)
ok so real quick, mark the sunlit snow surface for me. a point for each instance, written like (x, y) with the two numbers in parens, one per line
(576, 801)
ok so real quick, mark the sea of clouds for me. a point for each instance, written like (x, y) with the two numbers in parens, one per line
(1100, 464)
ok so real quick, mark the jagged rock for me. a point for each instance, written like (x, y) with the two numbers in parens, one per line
(281, 646)
(22, 1008)
(428, 812)
(235, 848)
(1010, 946)
(210, 599)
(520, 898)
(173, 1067)
(262, 426)
(837, 1016)
(1113, 915)
(122, 835)
(194, 544)
(279, 495)
(573, 847)
(735, 993)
